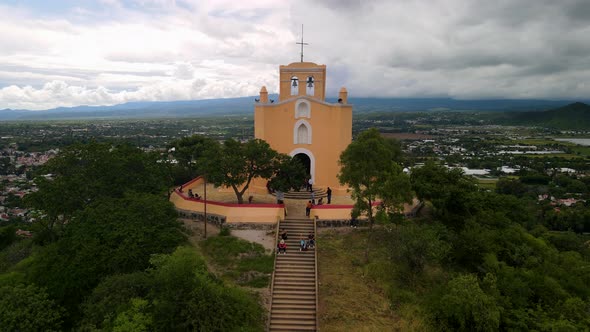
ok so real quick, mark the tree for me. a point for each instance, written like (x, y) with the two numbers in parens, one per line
(136, 319)
(85, 173)
(185, 297)
(448, 190)
(368, 167)
(415, 245)
(289, 174)
(28, 308)
(464, 306)
(113, 235)
(235, 164)
(112, 297)
(188, 151)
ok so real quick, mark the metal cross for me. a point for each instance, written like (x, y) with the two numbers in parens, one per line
(301, 43)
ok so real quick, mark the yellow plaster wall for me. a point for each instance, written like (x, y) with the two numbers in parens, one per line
(331, 127)
(233, 214)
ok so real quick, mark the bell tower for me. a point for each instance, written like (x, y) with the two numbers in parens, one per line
(302, 79)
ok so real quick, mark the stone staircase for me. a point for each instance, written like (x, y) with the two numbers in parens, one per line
(304, 194)
(294, 284)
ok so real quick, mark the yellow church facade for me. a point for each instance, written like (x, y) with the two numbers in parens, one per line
(303, 125)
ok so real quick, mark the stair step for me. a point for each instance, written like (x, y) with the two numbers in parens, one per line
(288, 267)
(305, 301)
(293, 306)
(279, 328)
(297, 293)
(295, 262)
(287, 278)
(290, 288)
(305, 298)
(286, 271)
(309, 316)
(298, 311)
(293, 322)
(295, 259)
(299, 283)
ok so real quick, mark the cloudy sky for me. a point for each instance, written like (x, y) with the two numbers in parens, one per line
(104, 52)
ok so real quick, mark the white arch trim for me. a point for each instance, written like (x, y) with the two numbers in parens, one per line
(311, 160)
(302, 112)
(296, 129)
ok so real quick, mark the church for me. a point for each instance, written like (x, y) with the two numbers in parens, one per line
(303, 125)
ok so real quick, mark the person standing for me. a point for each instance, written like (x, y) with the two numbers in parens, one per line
(308, 208)
(312, 197)
(329, 192)
(310, 184)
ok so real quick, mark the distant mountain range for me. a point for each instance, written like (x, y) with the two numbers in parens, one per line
(245, 105)
(575, 116)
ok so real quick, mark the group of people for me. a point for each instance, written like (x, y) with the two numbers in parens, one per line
(304, 243)
(191, 195)
(320, 201)
(308, 243)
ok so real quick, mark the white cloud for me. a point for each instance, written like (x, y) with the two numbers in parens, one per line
(119, 51)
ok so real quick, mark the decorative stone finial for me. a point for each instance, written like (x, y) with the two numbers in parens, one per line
(263, 95)
(343, 96)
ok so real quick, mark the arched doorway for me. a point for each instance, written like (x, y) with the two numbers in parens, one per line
(305, 161)
(308, 160)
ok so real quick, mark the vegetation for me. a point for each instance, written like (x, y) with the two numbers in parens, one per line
(107, 254)
(477, 261)
(235, 164)
(368, 166)
(240, 261)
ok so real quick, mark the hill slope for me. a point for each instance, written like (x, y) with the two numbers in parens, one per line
(574, 116)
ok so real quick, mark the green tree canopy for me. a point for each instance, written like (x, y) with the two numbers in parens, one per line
(85, 173)
(188, 151)
(368, 167)
(447, 189)
(289, 174)
(465, 307)
(235, 164)
(112, 235)
(28, 308)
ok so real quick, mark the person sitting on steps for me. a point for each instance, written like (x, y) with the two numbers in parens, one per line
(311, 240)
(321, 201)
(282, 247)
(302, 244)
(283, 235)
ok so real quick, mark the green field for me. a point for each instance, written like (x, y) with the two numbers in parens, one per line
(487, 183)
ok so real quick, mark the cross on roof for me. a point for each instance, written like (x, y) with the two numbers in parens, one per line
(301, 43)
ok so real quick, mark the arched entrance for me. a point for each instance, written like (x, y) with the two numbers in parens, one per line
(305, 161)
(308, 160)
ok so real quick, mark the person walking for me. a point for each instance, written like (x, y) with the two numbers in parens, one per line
(308, 208)
(329, 192)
